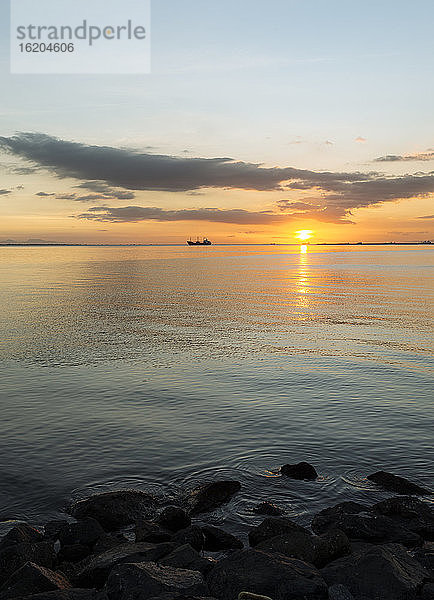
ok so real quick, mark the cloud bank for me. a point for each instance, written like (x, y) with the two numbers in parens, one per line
(418, 156)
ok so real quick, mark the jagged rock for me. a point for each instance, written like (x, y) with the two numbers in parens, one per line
(114, 510)
(174, 518)
(86, 532)
(250, 596)
(209, 496)
(272, 575)
(31, 579)
(186, 557)
(21, 533)
(70, 594)
(73, 553)
(382, 573)
(267, 508)
(428, 592)
(147, 531)
(109, 541)
(52, 529)
(147, 580)
(216, 539)
(302, 470)
(192, 535)
(359, 522)
(329, 546)
(339, 592)
(409, 512)
(425, 556)
(14, 557)
(97, 570)
(397, 484)
(273, 526)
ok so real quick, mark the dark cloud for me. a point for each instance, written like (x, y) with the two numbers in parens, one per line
(4, 192)
(133, 214)
(285, 205)
(44, 194)
(106, 190)
(426, 217)
(418, 156)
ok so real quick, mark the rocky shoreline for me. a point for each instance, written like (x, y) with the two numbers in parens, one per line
(124, 545)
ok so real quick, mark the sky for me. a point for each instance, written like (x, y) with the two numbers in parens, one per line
(258, 119)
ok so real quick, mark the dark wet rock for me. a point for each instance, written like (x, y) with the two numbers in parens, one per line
(186, 557)
(86, 532)
(273, 526)
(21, 533)
(273, 575)
(410, 512)
(109, 541)
(216, 539)
(31, 579)
(69, 594)
(96, 571)
(267, 508)
(317, 550)
(73, 553)
(428, 592)
(192, 535)
(174, 518)
(397, 484)
(339, 592)
(425, 556)
(52, 529)
(209, 496)
(361, 523)
(250, 596)
(14, 557)
(384, 572)
(302, 470)
(147, 580)
(147, 531)
(114, 510)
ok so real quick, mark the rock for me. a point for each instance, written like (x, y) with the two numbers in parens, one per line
(186, 557)
(21, 533)
(409, 512)
(109, 541)
(69, 594)
(383, 572)
(53, 528)
(14, 557)
(209, 496)
(272, 575)
(97, 570)
(114, 510)
(425, 556)
(267, 508)
(216, 539)
(192, 535)
(31, 579)
(273, 526)
(361, 523)
(329, 546)
(428, 591)
(86, 532)
(147, 580)
(73, 553)
(397, 484)
(250, 596)
(339, 592)
(302, 470)
(174, 518)
(147, 531)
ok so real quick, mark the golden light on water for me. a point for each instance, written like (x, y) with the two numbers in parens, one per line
(304, 235)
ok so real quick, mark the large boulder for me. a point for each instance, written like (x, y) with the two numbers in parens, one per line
(186, 557)
(397, 484)
(273, 526)
(302, 470)
(148, 531)
(95, 573)
(359, 522)
(209, 496)
(192, 535)
(174, 518)
(146, 580)
(14, 557)
(114, 510)
(409, 512)
(21, 533)
(85, 532)
(273, 575)
(31, 579)
(425, 556)
(381, 573)
(339, 592)
(216, 539)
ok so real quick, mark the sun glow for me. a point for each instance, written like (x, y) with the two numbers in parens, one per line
(304, 235)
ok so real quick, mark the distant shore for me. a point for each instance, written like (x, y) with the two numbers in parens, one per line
(57, 244)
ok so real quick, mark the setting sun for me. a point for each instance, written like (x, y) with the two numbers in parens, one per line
(304, 234)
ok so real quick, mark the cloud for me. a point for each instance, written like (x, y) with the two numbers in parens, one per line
(426, 217)
(44, 194)
(418, 156)
(4, 192)
(360, 140)
(134, 214)
(329, 143)
(285, 205)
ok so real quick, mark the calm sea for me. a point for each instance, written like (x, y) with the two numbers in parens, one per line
(158, 367)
